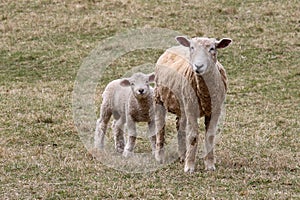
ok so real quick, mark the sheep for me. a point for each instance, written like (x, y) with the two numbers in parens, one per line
(127, 105)
(190, 83)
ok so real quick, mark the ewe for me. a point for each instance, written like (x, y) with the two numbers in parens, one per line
(190, 83)
(127, 105)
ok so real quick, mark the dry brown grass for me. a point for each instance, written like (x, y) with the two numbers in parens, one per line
(42, 45)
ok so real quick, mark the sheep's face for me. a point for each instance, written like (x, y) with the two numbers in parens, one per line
(139, 84)
(203, 52)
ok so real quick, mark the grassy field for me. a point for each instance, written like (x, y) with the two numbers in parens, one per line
(42, 46)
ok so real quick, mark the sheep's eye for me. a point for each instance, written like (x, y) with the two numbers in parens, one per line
(212, 49)
(192, 48)
(132, 84)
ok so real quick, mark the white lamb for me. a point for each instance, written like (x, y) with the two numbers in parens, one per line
(127, 105)
(190, 83)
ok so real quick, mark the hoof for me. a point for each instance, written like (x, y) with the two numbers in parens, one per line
(119, 150)
(159, 156)
(189, 169)
(153, 153)
(127, 153)
(209, 165)
(181, 159)
(99, 145)
(189, 166)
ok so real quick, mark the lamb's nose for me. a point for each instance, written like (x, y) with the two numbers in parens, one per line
(141, 91)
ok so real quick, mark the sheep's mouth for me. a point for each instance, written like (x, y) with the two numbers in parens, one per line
(199, 72)
(198, 69)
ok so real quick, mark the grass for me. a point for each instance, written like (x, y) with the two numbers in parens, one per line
(42, 46)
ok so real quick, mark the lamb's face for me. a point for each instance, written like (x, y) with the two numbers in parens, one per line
(139, 84)
(203, 52)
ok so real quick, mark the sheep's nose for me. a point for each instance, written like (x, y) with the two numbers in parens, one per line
(198, 68)
(141, 91)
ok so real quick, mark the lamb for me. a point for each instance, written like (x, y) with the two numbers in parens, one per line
(127, 105)
(190, 83)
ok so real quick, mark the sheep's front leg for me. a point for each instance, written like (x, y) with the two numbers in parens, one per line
(192, 146)
(211, 123)
(152, 136)
(160, 115)
(119, 135)
(193, 134)
(128, 151)
(181, 137)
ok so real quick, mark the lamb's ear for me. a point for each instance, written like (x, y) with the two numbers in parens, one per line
(224, 42)
(183, 41)
(151, 77)
(125, 83)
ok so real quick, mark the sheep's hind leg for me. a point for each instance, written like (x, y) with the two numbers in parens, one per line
(101, 127)
(119, 135)
(160, 115)
(181, 137)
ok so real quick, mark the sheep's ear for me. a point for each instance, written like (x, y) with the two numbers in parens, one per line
(125, 83)
(151, 77)
(183, 41)
(224, 42)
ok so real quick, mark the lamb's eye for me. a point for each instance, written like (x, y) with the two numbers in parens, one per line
(132, 84)
(192, 48)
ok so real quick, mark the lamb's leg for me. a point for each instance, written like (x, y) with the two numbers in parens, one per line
(152, 136)
(181, 137)
(211, 123)
(128, 151)
(101, 126)
(160, 115)
(119, 135)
